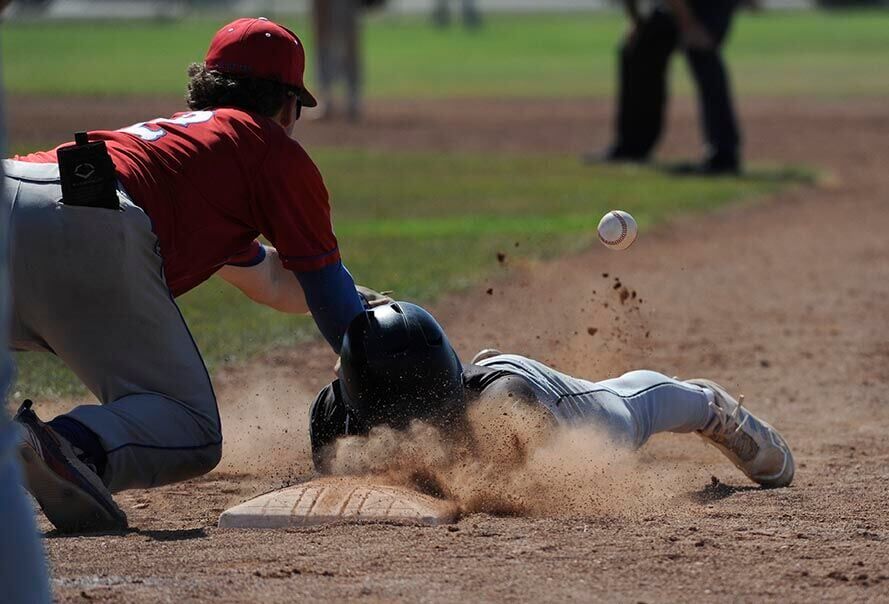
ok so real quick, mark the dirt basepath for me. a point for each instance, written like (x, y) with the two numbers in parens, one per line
(784, 301)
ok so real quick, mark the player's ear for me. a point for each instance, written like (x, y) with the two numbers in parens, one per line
(290, 111)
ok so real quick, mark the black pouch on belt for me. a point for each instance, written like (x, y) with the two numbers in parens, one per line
(88, 175)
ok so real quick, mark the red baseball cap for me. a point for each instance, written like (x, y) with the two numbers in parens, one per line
(259, 48)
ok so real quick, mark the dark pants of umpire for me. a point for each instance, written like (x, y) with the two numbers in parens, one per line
(643, 82)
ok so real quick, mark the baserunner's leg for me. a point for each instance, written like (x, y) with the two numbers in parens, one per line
(630, 408)
(638, 404)
(658, 403)
(661, 404)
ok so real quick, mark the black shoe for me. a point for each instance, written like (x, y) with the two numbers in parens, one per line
(612, 155)
(69, 492)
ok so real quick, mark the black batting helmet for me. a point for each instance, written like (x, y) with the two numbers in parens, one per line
(397, 364)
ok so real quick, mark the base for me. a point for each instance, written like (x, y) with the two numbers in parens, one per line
(338, 499)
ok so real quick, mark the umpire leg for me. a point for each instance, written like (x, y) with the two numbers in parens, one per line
(88, 286)
(718, 117)
(642, 86)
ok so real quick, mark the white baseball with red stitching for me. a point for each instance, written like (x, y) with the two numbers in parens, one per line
(617, 230)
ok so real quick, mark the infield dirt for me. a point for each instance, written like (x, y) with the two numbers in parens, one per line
(784, 300)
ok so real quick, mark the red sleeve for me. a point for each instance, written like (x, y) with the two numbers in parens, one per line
(293, 210)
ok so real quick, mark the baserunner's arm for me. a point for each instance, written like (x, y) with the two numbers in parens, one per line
(330, 293)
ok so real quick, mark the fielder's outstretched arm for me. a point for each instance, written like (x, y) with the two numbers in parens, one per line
(333, 300)
(329, 293)
(268, 282)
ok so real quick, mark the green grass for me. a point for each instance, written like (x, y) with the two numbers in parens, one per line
(425, 223)
(816, 54)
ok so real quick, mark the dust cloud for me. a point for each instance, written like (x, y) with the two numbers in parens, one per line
(513, 461)
(265, 431)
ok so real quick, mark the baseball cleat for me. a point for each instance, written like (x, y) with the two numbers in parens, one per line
(753, 445)
(69, 492)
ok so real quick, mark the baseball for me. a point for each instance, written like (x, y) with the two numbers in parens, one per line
(617, 230)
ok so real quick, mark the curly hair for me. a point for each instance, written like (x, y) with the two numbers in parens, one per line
(208, 89)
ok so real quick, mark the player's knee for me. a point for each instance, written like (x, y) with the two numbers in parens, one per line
(211, 457)
(203, 459)
(187, 465)
(213, 453)
(204, 410)
(213, 430)
(644, 377)
(209, 453)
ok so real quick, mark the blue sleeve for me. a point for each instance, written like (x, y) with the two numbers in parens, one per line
(332, 298)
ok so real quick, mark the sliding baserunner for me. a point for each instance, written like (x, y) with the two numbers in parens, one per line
(397, 365)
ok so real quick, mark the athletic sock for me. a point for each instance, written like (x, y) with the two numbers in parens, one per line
(81, 437)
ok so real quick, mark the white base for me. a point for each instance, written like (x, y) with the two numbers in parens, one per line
(338, 499)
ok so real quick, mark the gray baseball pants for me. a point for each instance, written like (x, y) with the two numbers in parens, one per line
(631, 408)
(22, 568)
(88, 286)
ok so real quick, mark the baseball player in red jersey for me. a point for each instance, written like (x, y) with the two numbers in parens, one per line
(95, 274)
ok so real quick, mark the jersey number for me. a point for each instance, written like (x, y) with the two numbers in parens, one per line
(153, 130)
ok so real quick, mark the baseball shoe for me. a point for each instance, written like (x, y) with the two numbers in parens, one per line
(753, 445)
(69, 492)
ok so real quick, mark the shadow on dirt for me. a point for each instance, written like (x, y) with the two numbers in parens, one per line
(57, 534)
(174, 534)
(153, 535)
(716, 491)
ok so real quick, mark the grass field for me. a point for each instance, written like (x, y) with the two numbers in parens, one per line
(424, 223)
(813, 54)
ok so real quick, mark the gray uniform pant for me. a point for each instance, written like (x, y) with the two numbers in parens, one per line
(630, 408)
(23, 575)
(88, 286)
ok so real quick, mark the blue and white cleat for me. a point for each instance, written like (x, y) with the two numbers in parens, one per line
(753, 445)
(69, 491)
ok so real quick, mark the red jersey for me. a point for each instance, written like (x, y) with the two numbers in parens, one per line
(212, 182)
